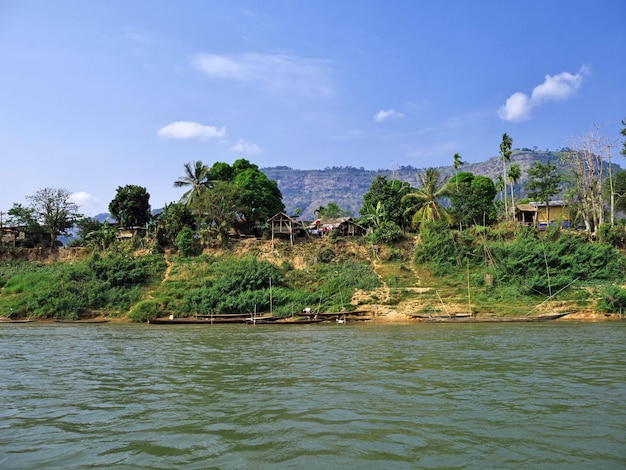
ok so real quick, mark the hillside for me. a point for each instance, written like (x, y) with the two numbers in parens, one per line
(310, 189)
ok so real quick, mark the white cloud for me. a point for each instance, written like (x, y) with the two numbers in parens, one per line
(383, 115)
(190, 130)
(276, 72)
(88, 203)
(246, 147)
(519, 105)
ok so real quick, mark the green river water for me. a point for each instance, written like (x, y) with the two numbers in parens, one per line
(322, 396)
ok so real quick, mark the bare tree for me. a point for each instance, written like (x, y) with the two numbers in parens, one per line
(587, 165)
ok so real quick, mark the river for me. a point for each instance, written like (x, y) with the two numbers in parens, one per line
(322, 396)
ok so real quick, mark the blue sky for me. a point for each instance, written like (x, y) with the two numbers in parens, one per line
(99, 94)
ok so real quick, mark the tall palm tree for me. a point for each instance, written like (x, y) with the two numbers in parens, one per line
(196, 178)
(458, 163)
(500, 187)
(505, 151)
(423, 202)
(515, 174)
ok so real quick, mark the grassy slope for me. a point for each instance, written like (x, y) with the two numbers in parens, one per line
(404, 287)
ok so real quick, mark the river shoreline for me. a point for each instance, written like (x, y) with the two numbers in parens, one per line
(377, 315)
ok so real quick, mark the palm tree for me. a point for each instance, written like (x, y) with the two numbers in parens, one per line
(500, 186)
(515, 173)
(457, 164)
(423, 202)
(196, 178)
(505, 151)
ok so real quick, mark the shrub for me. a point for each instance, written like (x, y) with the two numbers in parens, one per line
(144, 310)
(613, 300)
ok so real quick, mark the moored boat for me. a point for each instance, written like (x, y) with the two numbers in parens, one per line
(494, 319)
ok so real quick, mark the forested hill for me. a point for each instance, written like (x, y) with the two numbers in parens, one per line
(310, 189)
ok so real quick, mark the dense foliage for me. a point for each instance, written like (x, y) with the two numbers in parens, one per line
(533, 263)
(383, 202)
(472, 199)
(108, 284)
(245, 285)
(131, 206)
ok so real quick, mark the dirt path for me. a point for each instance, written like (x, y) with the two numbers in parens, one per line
(168, 268)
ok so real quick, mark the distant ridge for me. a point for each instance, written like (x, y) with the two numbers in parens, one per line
(310, 189)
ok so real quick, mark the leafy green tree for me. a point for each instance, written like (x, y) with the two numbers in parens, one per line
(374, 216)
(171, 220)
(221, 207)
(544, 181)
(184, 241)
(259, 197)
(21, 216)
(424, 202)
(55, 210)
(131, 206)
(389, 195)
(505, 152)
(473, 203)
(102, 237)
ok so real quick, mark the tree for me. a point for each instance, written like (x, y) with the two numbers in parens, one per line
(374, 216)
(458, 163)
(505, 151)
(544, 181)
(389, 194)
(21, 216)
(221, 207)
(619, 189)
(171, 220)
(85, 226)
(131, 206)
(331, 211)
(500, 186)
(195, 178)
(101, 238)
(259, 197)
(587, 167)
(423, 202)
(473, 203)
(515, 174)
(55, 210)
(623, 132)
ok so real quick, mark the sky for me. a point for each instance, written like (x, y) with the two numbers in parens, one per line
(100, 94)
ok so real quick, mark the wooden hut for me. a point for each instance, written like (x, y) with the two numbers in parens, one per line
(283, 226)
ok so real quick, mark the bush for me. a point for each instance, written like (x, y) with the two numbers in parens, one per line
(386, 233)
(184, 241)
(613, 300)
(144, 311)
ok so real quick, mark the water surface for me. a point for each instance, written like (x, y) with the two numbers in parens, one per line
(313, 396)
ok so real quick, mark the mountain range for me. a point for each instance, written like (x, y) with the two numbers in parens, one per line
(307, 190)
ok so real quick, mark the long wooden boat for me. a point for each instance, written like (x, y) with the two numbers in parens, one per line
(8, 320)
(82, 322)
(503, 319)
(296, 321)
(198, 321)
